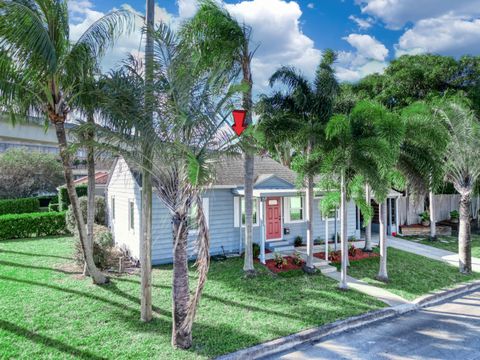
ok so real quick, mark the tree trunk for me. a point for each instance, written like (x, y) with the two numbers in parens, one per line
(146, 221)
(464, 234)
(180, 291)
(248, 165)
(382, 273)
(91, 186)
(368, 228)
(309, 217)
(343, 232)
(433, 225)
(97, 276)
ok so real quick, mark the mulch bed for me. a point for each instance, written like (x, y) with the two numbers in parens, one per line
(287, 267)
(335, 256)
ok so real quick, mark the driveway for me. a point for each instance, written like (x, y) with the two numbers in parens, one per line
(447, 331)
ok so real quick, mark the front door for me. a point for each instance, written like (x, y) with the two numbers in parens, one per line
(274, 220)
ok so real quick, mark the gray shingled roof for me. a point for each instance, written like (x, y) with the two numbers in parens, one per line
(230, 171)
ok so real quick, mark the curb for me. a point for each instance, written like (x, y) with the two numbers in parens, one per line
(352, 323)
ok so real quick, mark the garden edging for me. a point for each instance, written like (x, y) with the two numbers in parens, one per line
(351, 323)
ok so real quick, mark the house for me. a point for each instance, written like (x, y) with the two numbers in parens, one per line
(101, 178)
(279, 211)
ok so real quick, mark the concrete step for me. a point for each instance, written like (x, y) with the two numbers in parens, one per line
(318, 262)
(274, 244)
(327, 269)
(282, 249)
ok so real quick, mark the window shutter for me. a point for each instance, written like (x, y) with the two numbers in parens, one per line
(206, 209)
(236, 209)
(286, 207)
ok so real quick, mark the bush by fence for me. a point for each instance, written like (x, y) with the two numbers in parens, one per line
(64, 200)
(19, 206)
(17, 226)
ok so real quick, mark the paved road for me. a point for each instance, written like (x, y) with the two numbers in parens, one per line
(448, 331)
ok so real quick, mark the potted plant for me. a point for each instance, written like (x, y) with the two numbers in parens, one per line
(425, 218)
(454, 216)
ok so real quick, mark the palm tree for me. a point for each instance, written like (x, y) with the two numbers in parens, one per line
(364, 143)
(462, 166)
(298, 116)
(39, 69)
(217, 41)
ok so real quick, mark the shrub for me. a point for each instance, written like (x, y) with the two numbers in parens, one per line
(256, 250)
(19, 206)
(64, 200)
(352, 250)
(298, 240)
(104, 254)
(83, 201)
(454, 214)
(425, 216)
(17, 226)
(297, 259)
(279, 260)
(53, 207)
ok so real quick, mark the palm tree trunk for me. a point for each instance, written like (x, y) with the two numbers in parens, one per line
(97, 276)
(91, 186)
(368, 228)
(146, 221)
(382, 273)
(433, 226)
(180, 291)
(464, 234)
(249, 165)
(343, 232)
(309, 216)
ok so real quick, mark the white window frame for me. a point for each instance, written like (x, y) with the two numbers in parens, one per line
(131, 215)
(112, 206)
(287, 207)
(206, 211)
(236, 211)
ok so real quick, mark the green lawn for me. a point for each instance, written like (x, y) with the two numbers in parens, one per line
(46, 311)
(449, 243)
(410, 275)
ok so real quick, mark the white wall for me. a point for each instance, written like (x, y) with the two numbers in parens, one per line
(123, 187)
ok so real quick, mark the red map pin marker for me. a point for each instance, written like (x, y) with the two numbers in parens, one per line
(239, 121)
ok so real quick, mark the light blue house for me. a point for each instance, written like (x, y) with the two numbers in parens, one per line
(279, 211)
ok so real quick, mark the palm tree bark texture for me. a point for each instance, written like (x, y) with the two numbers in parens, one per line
(382, 273)
(91, 185)
(464, 233)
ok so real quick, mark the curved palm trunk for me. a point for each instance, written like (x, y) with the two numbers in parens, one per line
(146, 221)
(368, 228)
(382, 273)
(464, 234)
(249, 166)
(180, 289)
(309, 216)
(91, 186)
(433, 225)
(97, 276)
(343, 232)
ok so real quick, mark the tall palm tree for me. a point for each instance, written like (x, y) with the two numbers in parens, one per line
(39, 66)
(298, 116)
(217, 41)
(462, 166)
(364, 143)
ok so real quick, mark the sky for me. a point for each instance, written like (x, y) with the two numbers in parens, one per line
(366, 34)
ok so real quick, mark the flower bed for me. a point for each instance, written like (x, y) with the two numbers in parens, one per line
(353, 255)
(286, 266)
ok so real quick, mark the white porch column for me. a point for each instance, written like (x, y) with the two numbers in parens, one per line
(326, 238)
(262, 230)
(358, 228)
(397, 224)
(389, 209)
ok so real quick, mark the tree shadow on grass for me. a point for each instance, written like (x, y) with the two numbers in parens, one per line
(34, 254)
(46, 341)
(25, 266)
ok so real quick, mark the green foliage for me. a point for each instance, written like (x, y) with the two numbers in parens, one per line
(53, 207)
(454, 214)
(25, 173)
(256, 250)
(103, 252)
(279, 260)
(45, 200)
(297, 258)
(100, 212)
(64, 200)
(298, 241)
(425, 216)
(19, 206)
(17, 226)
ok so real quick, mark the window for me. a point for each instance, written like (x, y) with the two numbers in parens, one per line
(131, 215)
(294, 209)
(112, 204)
(240, 202)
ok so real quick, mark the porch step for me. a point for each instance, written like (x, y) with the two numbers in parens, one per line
(274, 244)
(282, 249)
(327, 269)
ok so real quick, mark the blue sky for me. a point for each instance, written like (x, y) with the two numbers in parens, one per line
(367, 34)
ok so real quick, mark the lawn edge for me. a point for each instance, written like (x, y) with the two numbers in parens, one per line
(338, 327)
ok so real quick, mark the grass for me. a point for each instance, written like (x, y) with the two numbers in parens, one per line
(48, 312)
(410, 275)
(449, 243)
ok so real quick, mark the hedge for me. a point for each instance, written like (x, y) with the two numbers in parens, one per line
(64, 200)
(19, 206)
(18, 226)
(46, 200)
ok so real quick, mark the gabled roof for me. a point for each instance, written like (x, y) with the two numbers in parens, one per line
(101, 178)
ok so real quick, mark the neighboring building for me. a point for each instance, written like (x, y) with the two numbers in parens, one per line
(279, 211)
(101, 178)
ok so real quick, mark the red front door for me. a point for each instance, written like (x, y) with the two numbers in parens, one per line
(274, 220)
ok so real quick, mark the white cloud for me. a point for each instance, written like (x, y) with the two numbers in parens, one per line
(311, 5)
(187, 8)
(396, 13)
(363, 24)
(367, 46)
(276, 30)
